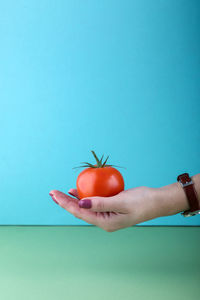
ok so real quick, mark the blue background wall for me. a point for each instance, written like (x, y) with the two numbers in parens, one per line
(118, 77)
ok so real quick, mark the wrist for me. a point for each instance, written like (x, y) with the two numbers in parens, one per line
(171, 199)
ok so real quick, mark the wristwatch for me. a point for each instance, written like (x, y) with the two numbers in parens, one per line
(191, 194)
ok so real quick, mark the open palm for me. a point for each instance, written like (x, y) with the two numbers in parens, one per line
(109, 213)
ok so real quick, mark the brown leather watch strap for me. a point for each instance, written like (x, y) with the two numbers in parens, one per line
(190, 192)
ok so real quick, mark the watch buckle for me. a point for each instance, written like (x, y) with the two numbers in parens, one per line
(187, 183)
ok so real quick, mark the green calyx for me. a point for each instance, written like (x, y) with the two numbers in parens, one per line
(99, 163)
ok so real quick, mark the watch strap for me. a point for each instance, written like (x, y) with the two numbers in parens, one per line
(191, 194)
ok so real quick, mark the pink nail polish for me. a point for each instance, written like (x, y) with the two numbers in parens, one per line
(87, 203)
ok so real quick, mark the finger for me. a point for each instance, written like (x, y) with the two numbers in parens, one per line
(104, 204)
(71, 205)
(53, 192)
(74, 193)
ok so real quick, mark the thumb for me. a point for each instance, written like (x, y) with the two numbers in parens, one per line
(101, 204)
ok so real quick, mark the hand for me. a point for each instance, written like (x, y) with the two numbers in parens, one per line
(123, 210)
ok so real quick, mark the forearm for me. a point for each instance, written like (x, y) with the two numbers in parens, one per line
(171, 199)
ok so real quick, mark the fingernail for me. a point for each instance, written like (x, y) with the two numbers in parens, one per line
(52, 196)
(85, 203)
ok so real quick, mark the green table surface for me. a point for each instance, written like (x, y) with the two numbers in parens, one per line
(85, 262)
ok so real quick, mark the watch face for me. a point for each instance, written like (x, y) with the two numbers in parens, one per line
(184, 178)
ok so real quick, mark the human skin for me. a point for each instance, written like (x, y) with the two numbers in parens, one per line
(129, 207)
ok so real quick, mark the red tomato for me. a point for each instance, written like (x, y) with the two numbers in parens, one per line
(103, 182)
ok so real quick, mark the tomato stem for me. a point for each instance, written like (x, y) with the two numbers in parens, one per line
(99, 163)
